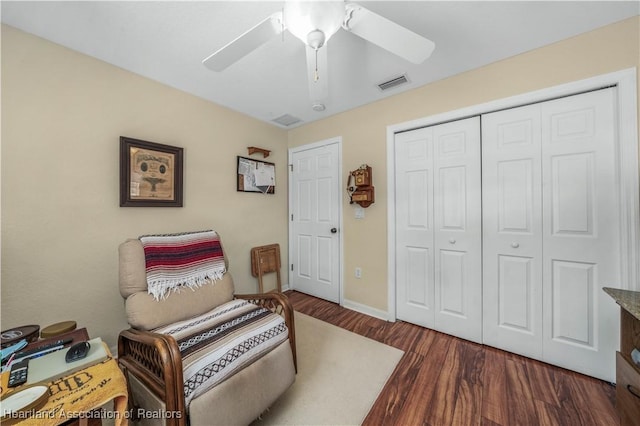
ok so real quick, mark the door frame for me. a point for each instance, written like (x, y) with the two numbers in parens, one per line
(627, 157)
(334, 140)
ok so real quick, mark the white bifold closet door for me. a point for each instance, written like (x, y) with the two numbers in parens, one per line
(438, 228)
(550, 231)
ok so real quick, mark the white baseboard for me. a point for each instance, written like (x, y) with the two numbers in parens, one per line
(358, 307)
(367, 310)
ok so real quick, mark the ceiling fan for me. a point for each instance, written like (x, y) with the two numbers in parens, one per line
(314, 22)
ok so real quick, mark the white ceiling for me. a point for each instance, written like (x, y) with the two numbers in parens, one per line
(167, 41)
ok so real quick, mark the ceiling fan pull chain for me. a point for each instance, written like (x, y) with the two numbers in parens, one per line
(282, 26)
(315, 78)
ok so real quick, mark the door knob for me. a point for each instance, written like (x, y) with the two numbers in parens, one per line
(334, 230)
(452, 241)
(515, 245)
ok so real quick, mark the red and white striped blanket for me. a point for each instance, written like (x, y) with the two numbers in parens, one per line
(174, 261)
(222, 341)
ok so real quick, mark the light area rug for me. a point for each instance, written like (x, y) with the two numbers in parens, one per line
(340, 375)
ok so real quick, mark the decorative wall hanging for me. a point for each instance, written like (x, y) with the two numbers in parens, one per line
(256, 176)
(150, 174)
(363, 192)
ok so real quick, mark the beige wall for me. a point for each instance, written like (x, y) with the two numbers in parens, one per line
(363, 130)
(62, 116)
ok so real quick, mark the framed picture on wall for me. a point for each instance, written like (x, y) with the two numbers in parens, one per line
(256, 176)
(150, 174)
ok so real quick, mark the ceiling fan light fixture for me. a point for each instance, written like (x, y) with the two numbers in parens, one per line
(316, 39)
(305, 19)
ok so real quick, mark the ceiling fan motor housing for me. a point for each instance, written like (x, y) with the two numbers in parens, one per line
(315, 39)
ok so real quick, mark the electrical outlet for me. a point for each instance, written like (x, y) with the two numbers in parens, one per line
(358, 272)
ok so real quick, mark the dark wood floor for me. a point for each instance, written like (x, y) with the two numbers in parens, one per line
(443, 380)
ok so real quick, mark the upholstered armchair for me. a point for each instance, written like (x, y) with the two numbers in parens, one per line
(200, 355)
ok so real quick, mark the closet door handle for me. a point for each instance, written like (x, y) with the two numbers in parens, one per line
(452, 241)
(515, 245)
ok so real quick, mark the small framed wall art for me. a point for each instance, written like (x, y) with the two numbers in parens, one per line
(256, 176)
(150, 174)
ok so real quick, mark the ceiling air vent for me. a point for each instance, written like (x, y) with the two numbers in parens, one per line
(287, 120)
(394, 82)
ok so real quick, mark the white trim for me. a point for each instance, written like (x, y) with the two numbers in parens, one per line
(391, 224)
(365, 309)
(628, 176)
(314, 145)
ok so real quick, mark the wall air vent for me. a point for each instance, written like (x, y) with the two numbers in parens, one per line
(394, 82)
(287, 120)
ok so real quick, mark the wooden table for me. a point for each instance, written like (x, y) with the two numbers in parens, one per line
(76, 395)
(264, 260)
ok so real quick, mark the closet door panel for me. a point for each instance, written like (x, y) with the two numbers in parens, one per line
(438, 228)
(457, 226)
(515, 196)
(452, 282)
(515, 284)
(512, 227)
(452, 189)
(580, 239)
(414, 227)
(418, 271)
(573, 285)
(573, 194)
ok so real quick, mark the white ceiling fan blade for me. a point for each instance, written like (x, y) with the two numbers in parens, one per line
(246, 43)
(317, 73)
(387, 34)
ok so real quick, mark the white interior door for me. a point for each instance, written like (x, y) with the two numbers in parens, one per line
(458, 229)
(315, 220)
(415, 274)
(512, 225)
(438, 228)
(580, 218)
(550, 236)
